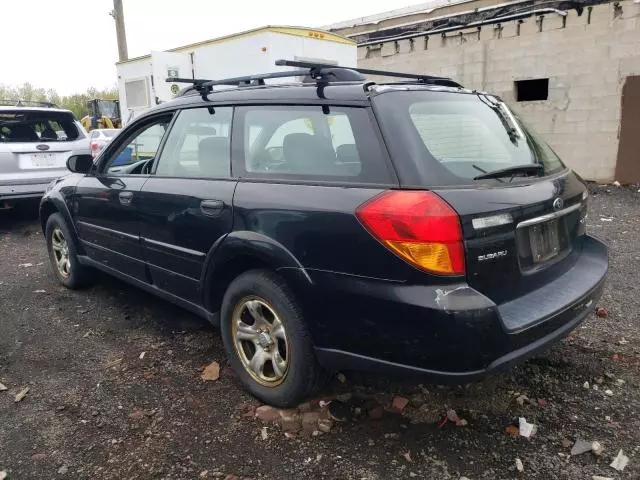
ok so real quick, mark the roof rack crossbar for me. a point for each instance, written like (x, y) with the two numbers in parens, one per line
(428, 79)
(194, 81)
(321, 75)
(201, 85)
(257, 79)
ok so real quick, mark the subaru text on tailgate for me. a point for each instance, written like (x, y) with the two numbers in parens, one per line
(35, 143)
(413, 227)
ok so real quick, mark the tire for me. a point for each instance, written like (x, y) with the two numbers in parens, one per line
(267, 295)
(57, 234)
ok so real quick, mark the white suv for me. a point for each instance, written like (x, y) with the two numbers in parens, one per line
(35, 143)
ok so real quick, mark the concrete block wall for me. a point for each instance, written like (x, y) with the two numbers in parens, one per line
(586, 59)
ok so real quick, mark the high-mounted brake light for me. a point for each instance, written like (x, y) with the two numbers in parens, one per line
(419, 227)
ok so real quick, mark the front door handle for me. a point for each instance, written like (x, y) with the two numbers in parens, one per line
(211, 207)
(125, 198)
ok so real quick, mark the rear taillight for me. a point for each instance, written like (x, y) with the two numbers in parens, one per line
(420, 227)
(95, 148)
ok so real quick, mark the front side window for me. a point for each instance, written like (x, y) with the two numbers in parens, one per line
(198, 144)
(139, 150)
(311, 143)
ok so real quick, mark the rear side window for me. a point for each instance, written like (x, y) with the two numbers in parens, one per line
(309, 143)
(33, 126)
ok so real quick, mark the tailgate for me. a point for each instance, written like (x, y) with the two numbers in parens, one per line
(36, 143)
(21, 162)
(520, 237)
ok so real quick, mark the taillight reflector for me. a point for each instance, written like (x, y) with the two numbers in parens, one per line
(419, 226)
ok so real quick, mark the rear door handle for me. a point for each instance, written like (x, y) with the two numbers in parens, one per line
(125, 198)
(211, 207)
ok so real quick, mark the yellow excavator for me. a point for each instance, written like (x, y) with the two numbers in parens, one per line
(102, 114)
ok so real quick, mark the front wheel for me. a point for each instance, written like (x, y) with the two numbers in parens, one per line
(63, 254)
(266, 339)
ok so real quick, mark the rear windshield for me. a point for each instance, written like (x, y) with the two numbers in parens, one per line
(451, 138)
(24, 126)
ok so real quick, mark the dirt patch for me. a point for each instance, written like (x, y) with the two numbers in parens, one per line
(98, 408)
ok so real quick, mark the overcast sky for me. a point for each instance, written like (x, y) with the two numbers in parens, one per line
(70, 45)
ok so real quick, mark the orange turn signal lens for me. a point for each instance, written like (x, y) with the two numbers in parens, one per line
(434, 257)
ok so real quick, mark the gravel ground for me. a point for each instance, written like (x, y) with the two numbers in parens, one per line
(96, 408)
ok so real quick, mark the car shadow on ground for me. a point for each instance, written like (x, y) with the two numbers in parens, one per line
(19, 216)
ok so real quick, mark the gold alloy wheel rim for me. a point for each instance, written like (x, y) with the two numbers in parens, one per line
(260, 341)
(60, 249)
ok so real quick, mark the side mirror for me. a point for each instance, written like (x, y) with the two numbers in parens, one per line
(80, 163)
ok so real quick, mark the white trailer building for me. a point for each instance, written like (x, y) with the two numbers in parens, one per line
(142, 80)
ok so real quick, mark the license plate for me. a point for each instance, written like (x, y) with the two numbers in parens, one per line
(39, 160)
(544, 239)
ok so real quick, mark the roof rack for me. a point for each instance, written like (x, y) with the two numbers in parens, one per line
(318, 73)
(427, 79)
(26, 103)
(322, 75)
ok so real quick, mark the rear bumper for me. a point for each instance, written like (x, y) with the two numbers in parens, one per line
(24, 190)
(456, 334)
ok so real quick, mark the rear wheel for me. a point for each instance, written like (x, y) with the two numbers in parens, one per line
(63, 254)
(266, 339)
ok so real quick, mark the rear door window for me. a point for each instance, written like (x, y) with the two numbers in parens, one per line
(309, 143)
(35, 126)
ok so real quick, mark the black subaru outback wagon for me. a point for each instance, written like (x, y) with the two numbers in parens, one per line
(414, 227)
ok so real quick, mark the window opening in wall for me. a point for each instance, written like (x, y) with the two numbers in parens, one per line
(531, 90)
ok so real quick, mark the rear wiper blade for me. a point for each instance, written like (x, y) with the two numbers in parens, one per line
(509, 171)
